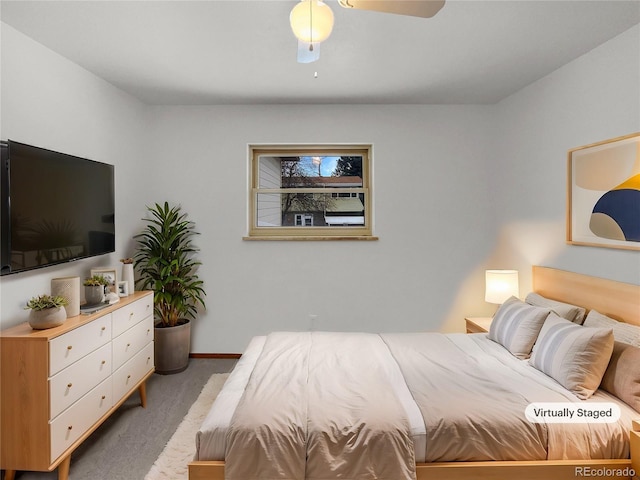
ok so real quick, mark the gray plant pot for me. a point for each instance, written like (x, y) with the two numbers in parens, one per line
(172, 347)
(93, 294)
(47, 318)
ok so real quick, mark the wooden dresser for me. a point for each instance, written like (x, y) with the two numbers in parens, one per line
(58, 385)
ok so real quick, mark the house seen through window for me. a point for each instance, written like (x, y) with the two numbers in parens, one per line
(310, 191)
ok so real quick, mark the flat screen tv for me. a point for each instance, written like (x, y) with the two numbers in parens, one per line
(54, 208)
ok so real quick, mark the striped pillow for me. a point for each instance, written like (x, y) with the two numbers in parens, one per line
(622, 332)
(516, 325)
(573, 313)
(574, 356)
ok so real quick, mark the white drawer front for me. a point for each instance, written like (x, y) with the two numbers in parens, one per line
(73, 382)
(126, 317)
(131, 342)
(73, 345)
(127, 376)
(80, 417)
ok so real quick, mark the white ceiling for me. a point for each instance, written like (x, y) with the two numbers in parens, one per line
(243, 51)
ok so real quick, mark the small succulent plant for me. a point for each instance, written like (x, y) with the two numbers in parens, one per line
(95, 281)
(43, 302)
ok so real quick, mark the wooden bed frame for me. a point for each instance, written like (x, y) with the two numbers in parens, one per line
(614, 299)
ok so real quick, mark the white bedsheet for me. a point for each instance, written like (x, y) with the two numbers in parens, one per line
(595, 441)
(211, 439)
(473, 394)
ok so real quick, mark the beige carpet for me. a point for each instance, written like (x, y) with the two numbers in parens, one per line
(179, 451)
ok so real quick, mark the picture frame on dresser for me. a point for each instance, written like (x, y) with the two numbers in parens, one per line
(110, 274)
(123, 288)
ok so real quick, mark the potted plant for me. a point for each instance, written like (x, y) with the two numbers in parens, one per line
(47, 311)
(127, 274)
(94, 289)
(166, 263)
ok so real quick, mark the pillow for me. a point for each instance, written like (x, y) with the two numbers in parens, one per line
(574, 356)
(516, 325)
(573, 313)
(622, 332)
(622, 377)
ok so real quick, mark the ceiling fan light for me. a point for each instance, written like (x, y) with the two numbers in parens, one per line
(311, 21)
(308, 52)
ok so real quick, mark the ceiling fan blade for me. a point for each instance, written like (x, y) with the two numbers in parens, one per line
(414, 8)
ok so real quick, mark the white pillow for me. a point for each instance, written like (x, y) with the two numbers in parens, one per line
(516, 325)
(573, 355)
(622, 332)
(573, 313)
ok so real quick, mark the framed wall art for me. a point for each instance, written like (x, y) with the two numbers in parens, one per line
(603, 194)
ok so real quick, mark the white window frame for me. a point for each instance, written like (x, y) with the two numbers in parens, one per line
(278, 232)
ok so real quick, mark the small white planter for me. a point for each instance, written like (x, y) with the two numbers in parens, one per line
(47, 318)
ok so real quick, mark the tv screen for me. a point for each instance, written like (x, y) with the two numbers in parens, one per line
(54, 208)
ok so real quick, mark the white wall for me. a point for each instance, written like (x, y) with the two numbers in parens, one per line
(429, 189)
(457, 189)
(595, 97)
(48, 101)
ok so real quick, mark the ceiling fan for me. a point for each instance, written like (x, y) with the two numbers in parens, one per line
(312, 20)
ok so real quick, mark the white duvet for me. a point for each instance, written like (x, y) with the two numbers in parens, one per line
(452, 397)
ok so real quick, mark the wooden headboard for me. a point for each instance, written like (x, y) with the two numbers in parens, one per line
(614, 299)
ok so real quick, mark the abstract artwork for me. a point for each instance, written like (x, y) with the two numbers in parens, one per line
(604, 194)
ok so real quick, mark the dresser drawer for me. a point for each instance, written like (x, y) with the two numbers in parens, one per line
(73, 382)
(127, 376)
(80, 417)
(73, 345)
(131, 342)
(126, 317)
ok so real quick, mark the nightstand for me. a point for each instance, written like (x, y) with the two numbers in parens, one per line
(478, 324)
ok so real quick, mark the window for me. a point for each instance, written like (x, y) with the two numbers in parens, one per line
(308, 192)
(303, 220)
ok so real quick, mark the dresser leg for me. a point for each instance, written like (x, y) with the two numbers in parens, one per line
(63, 468)
(9, 474)
(142, 389)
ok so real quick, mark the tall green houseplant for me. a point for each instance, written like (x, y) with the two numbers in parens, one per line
(166, 263)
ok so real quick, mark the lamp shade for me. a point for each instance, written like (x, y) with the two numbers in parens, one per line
(311, 21)
(500, 285)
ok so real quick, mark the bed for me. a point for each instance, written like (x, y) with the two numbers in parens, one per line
(415, 442)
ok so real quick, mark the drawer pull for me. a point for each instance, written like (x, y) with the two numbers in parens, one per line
(70, 427)
(103, 397)
(131, 315)
(69, 347)
(69, 385)
(128, 345)
(103, 362)
(128, 377)
(103, 328)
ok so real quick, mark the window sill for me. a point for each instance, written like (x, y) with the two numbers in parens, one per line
(308, 238)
